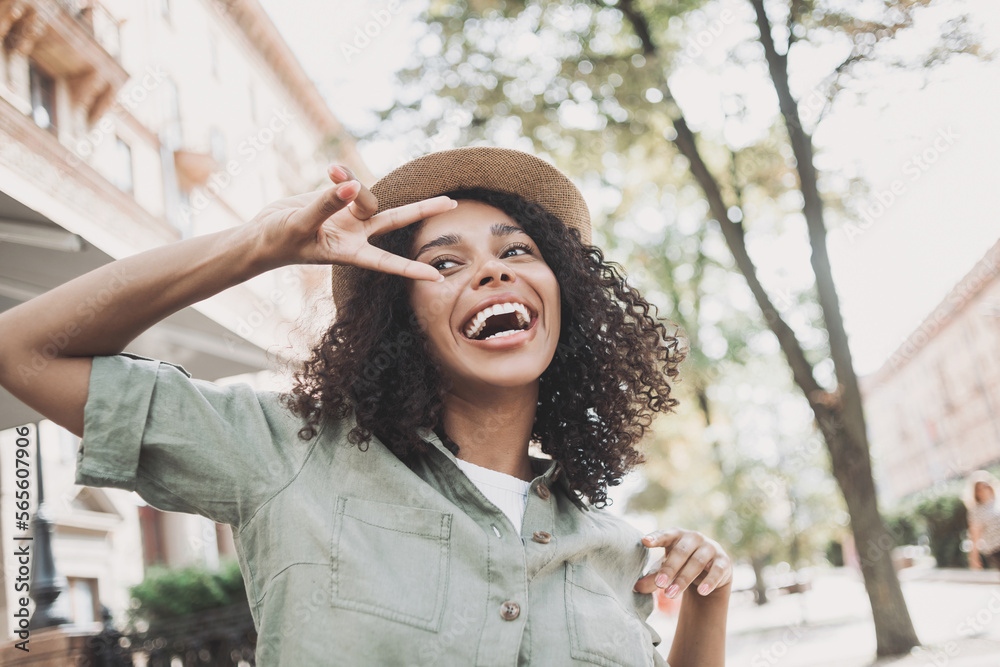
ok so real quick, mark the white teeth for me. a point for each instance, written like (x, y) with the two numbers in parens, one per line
(509, 332)
(476, 325)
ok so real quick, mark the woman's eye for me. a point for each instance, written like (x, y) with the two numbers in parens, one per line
(519, 246)
(437, 263)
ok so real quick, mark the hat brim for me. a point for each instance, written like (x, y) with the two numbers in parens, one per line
(499, 169)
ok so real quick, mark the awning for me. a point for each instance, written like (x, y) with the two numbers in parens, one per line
(37, 255)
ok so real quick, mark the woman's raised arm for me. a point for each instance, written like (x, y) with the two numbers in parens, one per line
(48, 342)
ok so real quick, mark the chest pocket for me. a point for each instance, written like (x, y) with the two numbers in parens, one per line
(601, 630)
(391, 561)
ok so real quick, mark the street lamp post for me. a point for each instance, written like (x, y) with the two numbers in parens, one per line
(46, 583)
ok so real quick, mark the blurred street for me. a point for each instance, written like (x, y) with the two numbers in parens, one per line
(956, 615)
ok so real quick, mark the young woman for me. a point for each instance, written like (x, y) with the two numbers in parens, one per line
(984, 519)
(388, 510)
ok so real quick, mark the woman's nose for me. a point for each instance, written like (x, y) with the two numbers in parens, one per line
(493, 270)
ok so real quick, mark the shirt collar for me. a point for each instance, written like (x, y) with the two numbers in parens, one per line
(547, 471)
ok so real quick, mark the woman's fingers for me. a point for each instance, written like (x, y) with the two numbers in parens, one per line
(314, 227)
(697, 564)
(719, 575)
(365, 203)
(662, 538)
(395, 218)
(689, 558)
(680, 545)
(370, 257)
(321, 208)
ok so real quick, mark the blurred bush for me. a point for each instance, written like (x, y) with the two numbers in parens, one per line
(905, 527)
(167, 594)
(835, 553)
(945, 517)
(937, 518)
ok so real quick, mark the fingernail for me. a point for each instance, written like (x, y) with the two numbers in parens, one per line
(662, 580)
(672, 591)
(703, 589)
(348, 189)
(337, 172)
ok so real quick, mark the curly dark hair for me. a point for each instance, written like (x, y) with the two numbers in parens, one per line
(611, 370)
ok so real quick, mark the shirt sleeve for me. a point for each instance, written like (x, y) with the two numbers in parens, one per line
(186, 445)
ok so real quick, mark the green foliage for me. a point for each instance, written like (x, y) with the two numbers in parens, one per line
(652, 499)
(938, 516)
(945, 516)
(835, 553)
(171, 593)
(905, 528)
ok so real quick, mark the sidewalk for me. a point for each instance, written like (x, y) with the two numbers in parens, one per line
(953, 575)
(956, 615)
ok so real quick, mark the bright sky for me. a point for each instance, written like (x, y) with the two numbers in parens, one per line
(890, 275)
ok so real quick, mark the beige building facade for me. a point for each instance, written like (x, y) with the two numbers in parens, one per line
(933, 409)
(125, 125)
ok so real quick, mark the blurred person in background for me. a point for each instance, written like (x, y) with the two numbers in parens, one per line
(984, 519)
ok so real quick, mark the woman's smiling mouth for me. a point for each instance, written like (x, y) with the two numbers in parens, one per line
(507, 338)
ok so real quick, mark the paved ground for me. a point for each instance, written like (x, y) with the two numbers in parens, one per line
(956, 615)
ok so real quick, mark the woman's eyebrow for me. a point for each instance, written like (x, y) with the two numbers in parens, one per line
(498, 229)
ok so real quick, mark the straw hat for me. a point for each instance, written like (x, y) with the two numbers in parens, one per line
(500, 169)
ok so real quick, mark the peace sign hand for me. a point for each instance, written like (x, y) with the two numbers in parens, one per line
(689, 557)
(332, 226)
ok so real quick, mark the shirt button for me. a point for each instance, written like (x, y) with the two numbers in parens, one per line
(543, 491)
(541, 537)
(509, 610)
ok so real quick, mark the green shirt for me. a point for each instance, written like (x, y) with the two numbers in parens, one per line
(352, 557)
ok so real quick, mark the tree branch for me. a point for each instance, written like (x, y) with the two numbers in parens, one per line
(812, 209)
(802, 370)
(639, 25)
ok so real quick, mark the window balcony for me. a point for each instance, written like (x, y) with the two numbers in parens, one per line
(73, 39)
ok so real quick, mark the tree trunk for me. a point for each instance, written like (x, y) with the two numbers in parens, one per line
(759, 585)
(839, 413)
(847, 438)
(851, 465)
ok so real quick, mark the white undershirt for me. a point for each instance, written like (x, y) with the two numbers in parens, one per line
(508, 493)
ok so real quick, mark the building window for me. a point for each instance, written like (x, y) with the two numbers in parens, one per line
(151, 527)
(83, 599)
(217, 141)
(121, 171)
(43, 98)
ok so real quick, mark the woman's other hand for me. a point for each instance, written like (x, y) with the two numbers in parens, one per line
(332, 226)
(689, 558)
